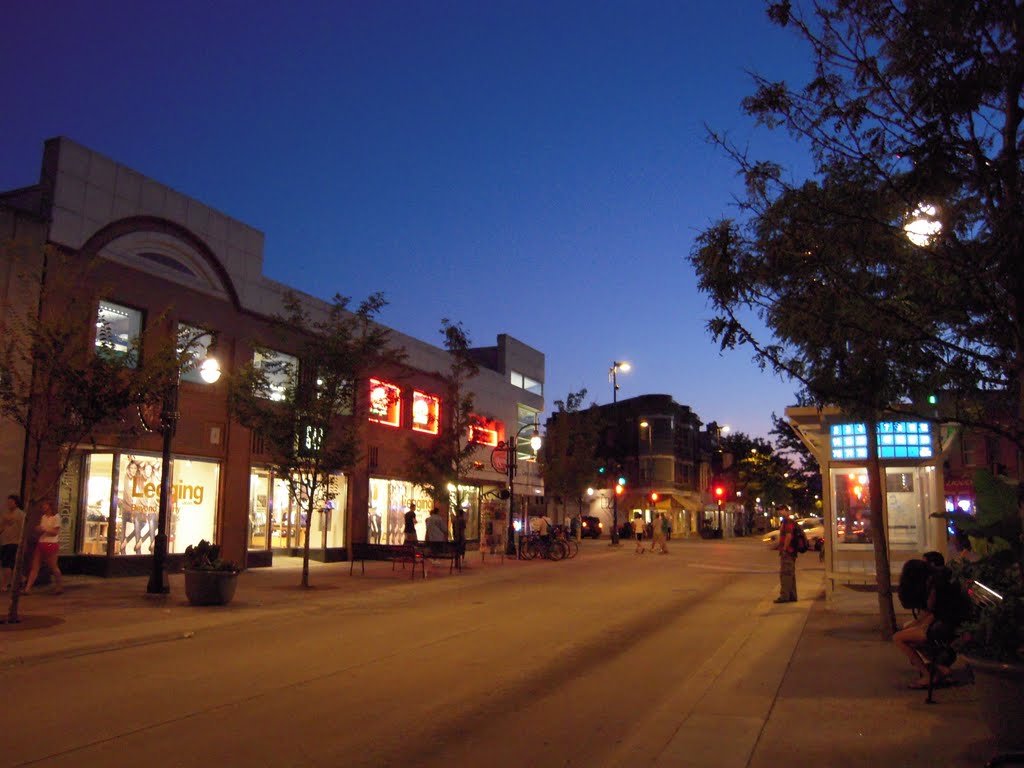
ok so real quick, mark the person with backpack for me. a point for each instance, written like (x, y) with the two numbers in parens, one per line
(792, 542)
(939, 605)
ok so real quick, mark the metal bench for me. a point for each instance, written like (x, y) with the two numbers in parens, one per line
(393, 553)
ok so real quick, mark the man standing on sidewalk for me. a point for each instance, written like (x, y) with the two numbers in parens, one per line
(787, 560)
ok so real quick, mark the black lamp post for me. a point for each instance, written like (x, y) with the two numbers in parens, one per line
(613, 375)
(513, 450)
(210, 373)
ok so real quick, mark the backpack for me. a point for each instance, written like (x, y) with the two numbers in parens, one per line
(799, 544)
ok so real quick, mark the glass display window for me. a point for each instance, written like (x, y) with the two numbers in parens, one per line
(259, 509)
(327, 528)
(192, 511)
(483, 431)
(385, 403)
(99, 474)
(389, 501)
(117, 331)
(851, 503)
(426, 412)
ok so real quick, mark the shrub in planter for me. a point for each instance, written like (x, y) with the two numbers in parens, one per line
(209, 579)
(992, 640)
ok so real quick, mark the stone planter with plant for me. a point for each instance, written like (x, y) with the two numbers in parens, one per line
(209, 579)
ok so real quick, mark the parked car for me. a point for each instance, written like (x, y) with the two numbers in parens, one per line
(592, 527)
(814, 530)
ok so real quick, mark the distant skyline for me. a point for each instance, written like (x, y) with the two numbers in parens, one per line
(536, 169)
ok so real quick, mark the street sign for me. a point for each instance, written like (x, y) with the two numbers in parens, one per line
(499, 459)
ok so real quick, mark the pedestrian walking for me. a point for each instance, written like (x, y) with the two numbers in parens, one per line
(638, 532)
(659, 530)
(787, 560)
(46, 549)
(12, 520)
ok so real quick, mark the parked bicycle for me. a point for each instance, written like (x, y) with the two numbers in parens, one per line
(548, 547)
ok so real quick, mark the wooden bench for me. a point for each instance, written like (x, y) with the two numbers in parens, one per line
(393, 553)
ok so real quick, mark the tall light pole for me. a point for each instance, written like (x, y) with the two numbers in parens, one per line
(613, 376)
(513, 451)
(210, 373)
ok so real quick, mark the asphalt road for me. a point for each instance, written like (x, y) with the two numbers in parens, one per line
(524, 664)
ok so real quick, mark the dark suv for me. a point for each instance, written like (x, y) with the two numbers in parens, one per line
(591, 527)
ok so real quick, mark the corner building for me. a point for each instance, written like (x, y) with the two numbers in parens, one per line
(166, 261)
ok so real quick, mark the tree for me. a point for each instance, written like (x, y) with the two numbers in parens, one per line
(446, 462)
(569, 463)
(311, 426)
(804, 468)
(757, 471)
(60, 388)
(913, 120)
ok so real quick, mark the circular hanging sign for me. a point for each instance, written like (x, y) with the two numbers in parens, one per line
(499, 460)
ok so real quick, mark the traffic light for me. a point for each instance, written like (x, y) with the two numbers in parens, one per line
(654, 496)
(719, 491)
(619, 489)
(933, 399)
(622, 481)
(600, 470)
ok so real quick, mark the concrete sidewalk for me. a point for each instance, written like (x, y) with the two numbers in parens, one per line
(809, 682)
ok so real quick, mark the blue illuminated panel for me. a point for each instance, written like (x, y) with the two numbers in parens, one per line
(896, 440)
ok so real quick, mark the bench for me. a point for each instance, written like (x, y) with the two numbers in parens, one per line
(393, 553)
(441, 550)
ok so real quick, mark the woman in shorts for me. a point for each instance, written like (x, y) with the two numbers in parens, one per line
(46, 549)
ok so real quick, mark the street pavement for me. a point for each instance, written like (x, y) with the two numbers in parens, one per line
(804, 683)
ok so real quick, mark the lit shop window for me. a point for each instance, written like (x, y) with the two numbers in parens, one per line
(385, 403)
(483, 434)
(896, 440)
(279, 372)
(426, 412)
(117, 331)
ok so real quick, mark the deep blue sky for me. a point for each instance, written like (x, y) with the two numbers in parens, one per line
(538, 168)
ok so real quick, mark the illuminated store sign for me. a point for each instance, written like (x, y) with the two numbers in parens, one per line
(426, 412)
(385, 403)
(483, 431)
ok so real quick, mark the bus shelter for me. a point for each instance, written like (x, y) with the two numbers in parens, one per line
(909, 452)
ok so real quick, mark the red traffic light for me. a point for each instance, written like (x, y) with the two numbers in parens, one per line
(619, 489)
(719, 491)
(654, 495)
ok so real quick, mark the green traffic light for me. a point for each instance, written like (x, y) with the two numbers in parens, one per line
(622, 481)
(932, 399)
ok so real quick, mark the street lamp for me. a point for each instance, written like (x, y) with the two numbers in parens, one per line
(209, 371)
(513, 451)
(613, 376)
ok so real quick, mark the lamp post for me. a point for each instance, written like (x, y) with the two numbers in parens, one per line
(210, 373)
(613, 376)
(513, 450)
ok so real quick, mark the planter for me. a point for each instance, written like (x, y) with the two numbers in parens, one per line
(1000, 687)
(210, 587)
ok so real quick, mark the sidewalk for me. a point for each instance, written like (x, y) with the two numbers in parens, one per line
(813, 684)
(808, 683)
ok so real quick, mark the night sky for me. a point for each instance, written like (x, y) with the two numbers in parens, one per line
(533, 168)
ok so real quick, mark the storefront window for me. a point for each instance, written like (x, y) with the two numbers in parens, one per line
(193, 504)
(385, 403)
(272, 509)
(851, 502)
(99, 473)
(389, 501)
(426, 412)
(259, 509)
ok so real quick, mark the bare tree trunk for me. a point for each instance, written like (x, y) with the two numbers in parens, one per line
(305, 547)
(879, 537)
